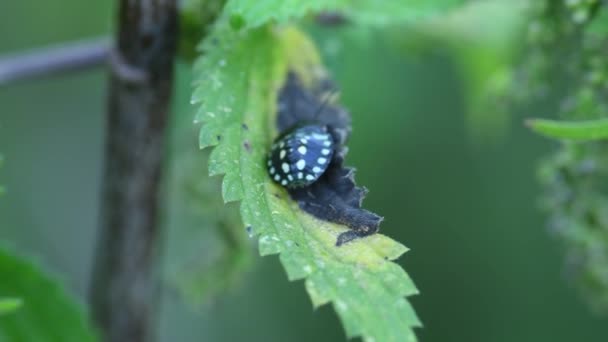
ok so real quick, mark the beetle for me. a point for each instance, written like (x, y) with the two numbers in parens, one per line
(307, 158)
(301, 155)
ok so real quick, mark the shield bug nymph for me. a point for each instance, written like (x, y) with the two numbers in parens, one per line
(301, 155)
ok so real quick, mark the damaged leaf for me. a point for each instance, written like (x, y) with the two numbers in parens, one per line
(240, 76)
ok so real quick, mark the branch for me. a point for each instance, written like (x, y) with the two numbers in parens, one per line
(54, 60)
(125, 280)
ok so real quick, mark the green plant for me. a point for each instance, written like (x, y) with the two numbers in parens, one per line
(245, 62)
(240, 55)
(248, 49)
(574, 176)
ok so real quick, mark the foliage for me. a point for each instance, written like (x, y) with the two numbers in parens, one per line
(567, 47)
(45, 311)
(243, 65)
(239, 78)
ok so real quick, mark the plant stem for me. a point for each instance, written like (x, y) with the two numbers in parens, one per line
(54, 60)
(125, 282)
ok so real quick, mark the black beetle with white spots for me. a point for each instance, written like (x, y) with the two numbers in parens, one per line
(300, 156)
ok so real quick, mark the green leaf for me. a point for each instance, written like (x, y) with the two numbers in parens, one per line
(47, 312)
(8, 305)
(255, 13)
(571, 130)
(239, 78)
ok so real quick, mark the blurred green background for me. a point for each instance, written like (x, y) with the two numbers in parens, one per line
(480, 254)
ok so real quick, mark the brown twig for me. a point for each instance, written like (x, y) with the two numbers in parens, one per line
(54, 60)
(125, 282)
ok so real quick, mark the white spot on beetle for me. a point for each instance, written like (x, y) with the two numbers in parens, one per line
(327, 143)
(282, 154)
(301, 164)
(302, 150)
(290, 177)
(300, 175)
(316, 169)
(272, 170)
(325, 151)
(322, 160)
(310, 177)
(284, 182)
(285, 167)
(277, 178)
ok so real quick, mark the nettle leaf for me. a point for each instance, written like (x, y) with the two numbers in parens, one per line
(240, 75)
(571, 130)
(255, 13)
(45, 311)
